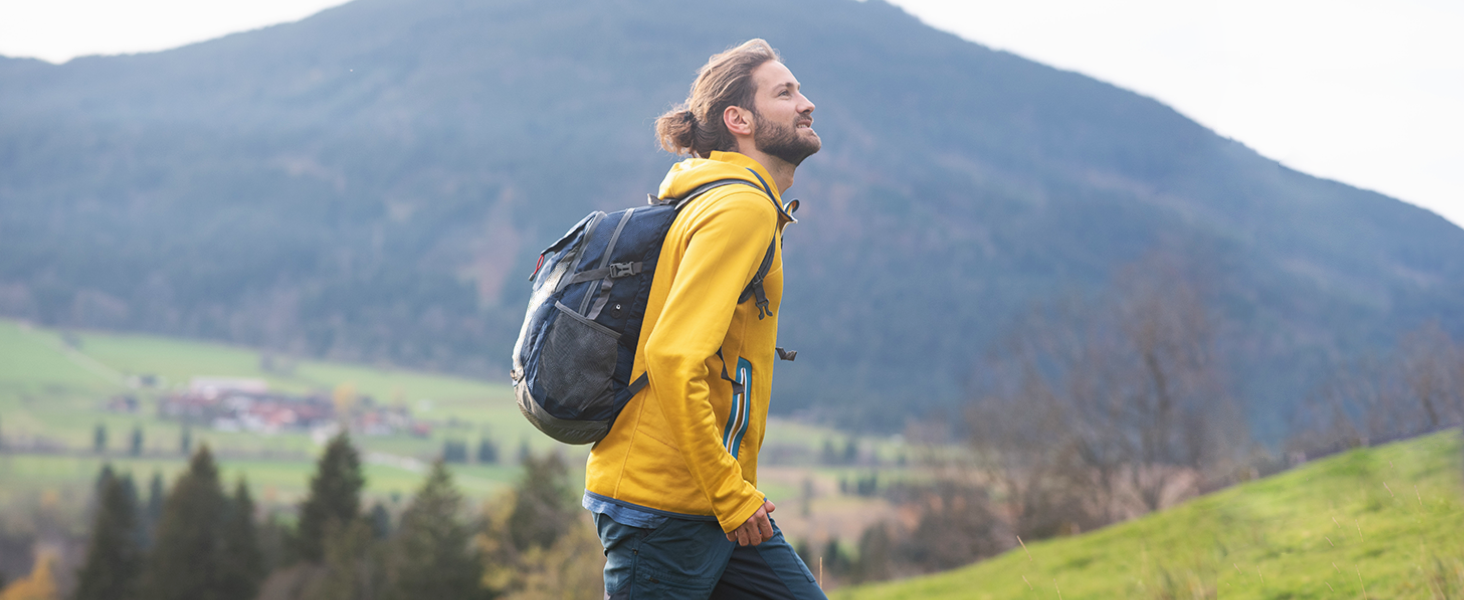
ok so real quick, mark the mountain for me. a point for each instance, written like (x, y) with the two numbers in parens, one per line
(374, 183)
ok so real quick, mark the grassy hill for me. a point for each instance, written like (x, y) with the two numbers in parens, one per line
(1388, 519)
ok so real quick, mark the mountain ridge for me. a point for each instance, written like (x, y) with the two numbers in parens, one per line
(366, 183)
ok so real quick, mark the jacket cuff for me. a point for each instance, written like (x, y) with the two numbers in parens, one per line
(731, 521)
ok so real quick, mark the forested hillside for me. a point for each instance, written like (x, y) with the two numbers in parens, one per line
(374, 182)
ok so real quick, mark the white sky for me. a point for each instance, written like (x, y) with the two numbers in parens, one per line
(1368, 93)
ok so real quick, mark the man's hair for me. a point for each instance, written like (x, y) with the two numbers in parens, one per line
(696, 126)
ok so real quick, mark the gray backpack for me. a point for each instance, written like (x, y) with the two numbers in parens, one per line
(572, 363)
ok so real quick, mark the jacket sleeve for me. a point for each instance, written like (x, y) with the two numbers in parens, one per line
(726, 246)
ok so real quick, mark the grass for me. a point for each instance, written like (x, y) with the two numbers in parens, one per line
(1387, 519)
(54, 387)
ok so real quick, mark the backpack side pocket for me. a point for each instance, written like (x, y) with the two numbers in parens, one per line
(577, 364)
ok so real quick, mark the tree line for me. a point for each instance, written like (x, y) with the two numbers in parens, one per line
(1416, 388)
(204, 543)
(1098, 409)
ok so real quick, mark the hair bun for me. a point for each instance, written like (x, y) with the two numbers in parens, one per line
(726, 80)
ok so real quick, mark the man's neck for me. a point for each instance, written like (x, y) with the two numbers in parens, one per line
(781, 170)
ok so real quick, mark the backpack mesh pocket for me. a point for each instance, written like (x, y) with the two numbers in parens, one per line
(577, 363)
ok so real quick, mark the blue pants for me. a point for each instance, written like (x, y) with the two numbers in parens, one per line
(688, 560)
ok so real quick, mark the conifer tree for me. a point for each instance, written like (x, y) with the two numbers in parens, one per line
(243, 568)
(834, 558)
(349, 562)
(135, 444)
(114, 557)
(335, 494)
(153, 511)
(99, 488)
(544, 510)
(129, 490)
(487, 452)
(380, 521)
(432, 556)
(876, 553)
(186, 559)
(275, 543)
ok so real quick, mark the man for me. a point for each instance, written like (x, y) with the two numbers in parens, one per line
(674, 484)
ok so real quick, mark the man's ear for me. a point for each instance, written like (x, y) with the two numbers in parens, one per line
(739, 120)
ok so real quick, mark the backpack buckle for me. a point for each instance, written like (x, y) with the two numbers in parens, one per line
(625, 269)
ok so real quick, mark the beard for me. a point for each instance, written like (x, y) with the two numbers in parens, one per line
(784, 142)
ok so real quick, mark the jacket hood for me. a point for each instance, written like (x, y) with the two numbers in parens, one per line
(686, 175)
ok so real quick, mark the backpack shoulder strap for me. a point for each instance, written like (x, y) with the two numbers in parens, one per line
(681, 202)
(755, 287)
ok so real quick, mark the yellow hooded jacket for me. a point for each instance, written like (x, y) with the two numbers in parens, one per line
(686, 444)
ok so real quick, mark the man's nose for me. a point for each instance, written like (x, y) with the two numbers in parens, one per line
(807, 105)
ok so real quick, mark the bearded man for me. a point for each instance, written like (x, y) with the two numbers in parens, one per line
(673, 486)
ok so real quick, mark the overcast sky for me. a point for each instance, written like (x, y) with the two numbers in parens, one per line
(1368, 93)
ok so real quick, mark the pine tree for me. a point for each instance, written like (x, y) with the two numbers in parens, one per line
(135, 444)
(544, 510)
(335, 494)
(349, 562)
(834, 558)
(380, 521)
(140, 534)
(99, 488)
(487, 452)
(432, 556)
(243, 561)
(275, 543)
(113, 557)
(876, 553)
(99, 439)
(523, 452)
(153, 512)
(186, 559)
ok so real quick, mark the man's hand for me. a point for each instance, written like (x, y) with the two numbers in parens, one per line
(757, 529)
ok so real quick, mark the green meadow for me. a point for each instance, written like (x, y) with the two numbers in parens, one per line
(1388, 519)
(55, 386)
(1384, 522)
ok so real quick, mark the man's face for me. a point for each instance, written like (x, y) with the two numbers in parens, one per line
(784, 117)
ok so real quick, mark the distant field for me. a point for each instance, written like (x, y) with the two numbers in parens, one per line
(54, 388)
(1389, 518)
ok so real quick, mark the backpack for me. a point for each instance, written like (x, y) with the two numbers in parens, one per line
(573, 359)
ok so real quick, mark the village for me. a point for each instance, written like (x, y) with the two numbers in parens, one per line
(242, 404)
